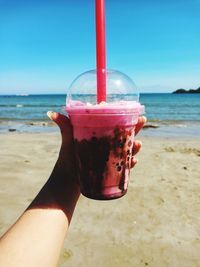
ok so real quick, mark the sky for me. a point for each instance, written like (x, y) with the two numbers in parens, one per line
(45, 44)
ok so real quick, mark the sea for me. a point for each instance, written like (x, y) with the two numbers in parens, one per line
(167, 113)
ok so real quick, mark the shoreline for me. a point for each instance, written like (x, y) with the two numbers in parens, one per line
(152, 128)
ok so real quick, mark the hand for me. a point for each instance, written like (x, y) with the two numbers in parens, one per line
(137, 144)
(66, 160)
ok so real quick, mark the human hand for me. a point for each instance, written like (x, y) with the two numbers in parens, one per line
(137, 144)
(66, 159)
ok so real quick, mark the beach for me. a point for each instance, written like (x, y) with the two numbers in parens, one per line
(156, 224)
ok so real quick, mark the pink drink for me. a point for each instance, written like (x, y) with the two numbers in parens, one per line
(104, 136)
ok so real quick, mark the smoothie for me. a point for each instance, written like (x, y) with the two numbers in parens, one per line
(104, 137)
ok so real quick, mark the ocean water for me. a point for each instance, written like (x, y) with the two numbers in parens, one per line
(160, 108)
(172, 107)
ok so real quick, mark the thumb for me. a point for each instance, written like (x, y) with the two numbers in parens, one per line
(64, 124)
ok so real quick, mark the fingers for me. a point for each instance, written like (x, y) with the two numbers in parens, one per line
(136, 148)
(133, 162)
(64, 124)
(141, 121)
(61, 120)
(137, 144)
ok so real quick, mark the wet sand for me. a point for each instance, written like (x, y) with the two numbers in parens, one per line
(156, 224)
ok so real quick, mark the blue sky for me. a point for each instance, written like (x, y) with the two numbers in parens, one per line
(44, 45)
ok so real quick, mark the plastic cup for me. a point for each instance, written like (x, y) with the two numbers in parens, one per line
(104, 138)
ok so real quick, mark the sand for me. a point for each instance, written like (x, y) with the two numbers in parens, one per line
(156, 224)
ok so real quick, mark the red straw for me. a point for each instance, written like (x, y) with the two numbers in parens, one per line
(101, 50)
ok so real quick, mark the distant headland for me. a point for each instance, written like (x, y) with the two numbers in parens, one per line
(190, 91)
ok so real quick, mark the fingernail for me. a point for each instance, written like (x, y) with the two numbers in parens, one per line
(145, 119)
(49, 114)
(139, 142)
(135, 161)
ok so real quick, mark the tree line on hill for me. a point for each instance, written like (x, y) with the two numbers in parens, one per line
(184, 91)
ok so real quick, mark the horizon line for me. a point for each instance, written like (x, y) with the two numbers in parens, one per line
(27, 94)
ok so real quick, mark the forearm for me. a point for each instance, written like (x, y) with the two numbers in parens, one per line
(37, 237)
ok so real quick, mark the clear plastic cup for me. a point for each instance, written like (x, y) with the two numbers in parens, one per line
(104, 133)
